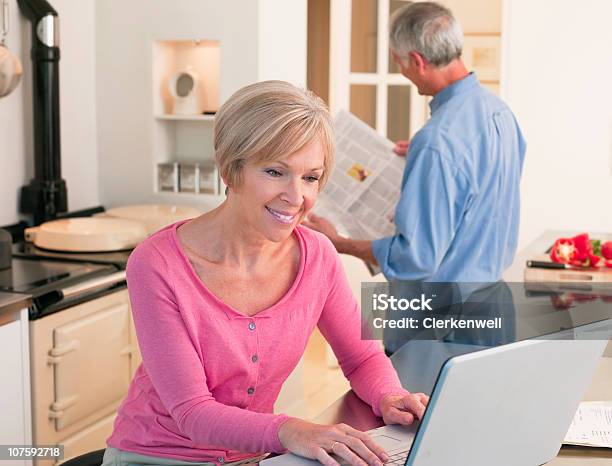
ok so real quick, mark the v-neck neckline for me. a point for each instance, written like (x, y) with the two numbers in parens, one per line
(229, 310)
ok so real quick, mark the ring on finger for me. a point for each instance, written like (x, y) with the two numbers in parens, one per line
(334, 446)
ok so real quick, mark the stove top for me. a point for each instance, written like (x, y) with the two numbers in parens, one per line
(117, 259)
(24, 249)
(58, 284)
(36, 277)
(57, 280)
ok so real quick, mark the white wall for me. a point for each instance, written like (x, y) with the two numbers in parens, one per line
(557, 79)
(124, 41)
(77, 103)
(282, 38)
(15, 130)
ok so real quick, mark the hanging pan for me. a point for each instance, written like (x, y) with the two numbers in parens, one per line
(10, 66)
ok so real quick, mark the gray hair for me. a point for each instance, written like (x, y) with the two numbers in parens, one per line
(427, 28)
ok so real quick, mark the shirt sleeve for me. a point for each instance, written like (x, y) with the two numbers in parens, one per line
(434, 198)
(176, 371)
(363, 362)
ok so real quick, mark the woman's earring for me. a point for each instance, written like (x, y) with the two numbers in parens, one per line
(226, 190)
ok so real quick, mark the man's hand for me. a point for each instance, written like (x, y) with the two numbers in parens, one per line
(322, 225)
(402, 409)
(401, 147)
(318, 441)
(361, 249)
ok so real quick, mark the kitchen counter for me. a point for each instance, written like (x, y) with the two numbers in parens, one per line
(353, 411)
(13, 302)
(516, 271)
(600, 386)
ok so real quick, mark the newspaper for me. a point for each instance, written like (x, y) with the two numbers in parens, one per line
(364, 187)
(592, 425)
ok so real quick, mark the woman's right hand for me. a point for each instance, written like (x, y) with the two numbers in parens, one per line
(318, 442)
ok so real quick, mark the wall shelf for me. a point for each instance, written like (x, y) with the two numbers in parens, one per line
(204, 202)
(184, 139)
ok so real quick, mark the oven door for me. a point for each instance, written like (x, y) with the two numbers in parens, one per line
(91, 364)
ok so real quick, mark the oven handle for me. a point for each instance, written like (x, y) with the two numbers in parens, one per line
(56, 353)
(58, 408)
(55, 296)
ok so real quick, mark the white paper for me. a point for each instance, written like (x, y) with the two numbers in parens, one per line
(592, 425)
(363, 190)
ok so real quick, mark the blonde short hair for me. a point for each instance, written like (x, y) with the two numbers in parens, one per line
(265, 121)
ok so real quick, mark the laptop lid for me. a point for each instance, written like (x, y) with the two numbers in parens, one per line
(509, 405)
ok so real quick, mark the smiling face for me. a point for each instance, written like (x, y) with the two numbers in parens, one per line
(275, 196)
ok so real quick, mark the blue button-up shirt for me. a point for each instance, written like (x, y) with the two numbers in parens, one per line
(458, 214)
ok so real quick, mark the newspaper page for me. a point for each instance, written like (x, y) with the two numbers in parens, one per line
(363, 190)
(592, 425)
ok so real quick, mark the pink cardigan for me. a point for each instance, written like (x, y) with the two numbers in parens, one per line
(210, 375)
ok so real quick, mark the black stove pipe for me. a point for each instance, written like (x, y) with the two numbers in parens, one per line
(46, 195)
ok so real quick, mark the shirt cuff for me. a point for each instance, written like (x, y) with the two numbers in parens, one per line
(274, 444)
(380, 249)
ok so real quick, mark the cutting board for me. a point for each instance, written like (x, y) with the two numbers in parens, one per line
(598, 275)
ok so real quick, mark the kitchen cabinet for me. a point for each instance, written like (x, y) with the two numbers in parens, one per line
(83, 359)
(15, 428)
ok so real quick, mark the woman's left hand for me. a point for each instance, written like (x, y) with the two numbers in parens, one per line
(403, 409)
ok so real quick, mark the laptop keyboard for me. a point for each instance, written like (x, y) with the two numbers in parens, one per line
(398, 459)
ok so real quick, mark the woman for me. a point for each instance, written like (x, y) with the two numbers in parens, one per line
(224, 305)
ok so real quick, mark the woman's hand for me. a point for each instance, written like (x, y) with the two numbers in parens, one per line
(318, 442)
(402, 409)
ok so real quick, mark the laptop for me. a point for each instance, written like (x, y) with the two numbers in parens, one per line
(509, 405)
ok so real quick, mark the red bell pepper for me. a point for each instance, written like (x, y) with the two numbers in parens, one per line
(583, 247)
(564, 250)
(581, 251)
(593, 260)
(606, 250)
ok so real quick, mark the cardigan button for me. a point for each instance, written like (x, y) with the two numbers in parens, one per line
(251, 390)
(254, 358)
(252, 326)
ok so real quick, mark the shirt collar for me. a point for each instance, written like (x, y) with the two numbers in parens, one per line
(458, 87)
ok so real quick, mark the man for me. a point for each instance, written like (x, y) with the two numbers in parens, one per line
(458, 213)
